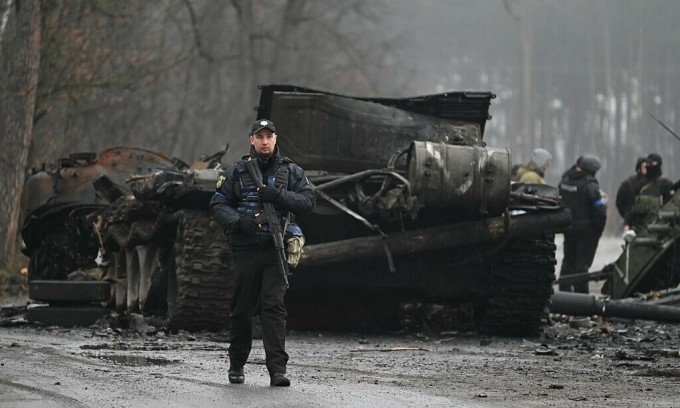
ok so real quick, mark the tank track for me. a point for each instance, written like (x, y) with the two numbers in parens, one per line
(521, 282)
(200, 277)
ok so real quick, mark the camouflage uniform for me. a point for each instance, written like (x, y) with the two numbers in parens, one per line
(655, 191)
(530, 174)
(534, 172)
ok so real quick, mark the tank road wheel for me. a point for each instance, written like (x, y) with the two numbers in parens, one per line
(520, 281)
(140, 263)
(200, 279)
(133, 273)
(120, 274)
(149, 260)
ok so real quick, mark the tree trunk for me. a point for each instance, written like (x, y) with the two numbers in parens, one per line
(527, 89)
(21, 48)
(592, 130)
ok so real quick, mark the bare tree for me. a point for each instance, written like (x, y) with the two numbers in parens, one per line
(20, 37)
(181, 76)
(177, 76)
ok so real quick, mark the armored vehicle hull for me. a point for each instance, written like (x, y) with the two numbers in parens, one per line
(57, 200)
(650, 260)
(136, 219)
(414, 208)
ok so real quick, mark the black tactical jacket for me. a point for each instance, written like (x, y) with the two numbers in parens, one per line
(226, 206)
(581, 194)
(625, 195)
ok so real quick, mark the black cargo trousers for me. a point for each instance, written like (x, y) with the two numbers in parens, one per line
(580, 246)
(258, 283)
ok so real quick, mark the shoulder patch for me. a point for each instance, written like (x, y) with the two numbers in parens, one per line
(220, 181)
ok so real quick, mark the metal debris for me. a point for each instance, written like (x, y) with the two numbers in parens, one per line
(544, 350)
(390, 349)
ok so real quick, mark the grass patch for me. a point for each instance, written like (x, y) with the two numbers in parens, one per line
(13, 282)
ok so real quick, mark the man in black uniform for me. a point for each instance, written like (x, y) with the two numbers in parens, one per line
(655, 191)
(580, 193)
(237, 206)
(625, 195)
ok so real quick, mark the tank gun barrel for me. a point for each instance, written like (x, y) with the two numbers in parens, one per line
(581, 304)
(444, 236)
(585, 277)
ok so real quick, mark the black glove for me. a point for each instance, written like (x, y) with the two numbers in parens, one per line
(247, 225)
(267, 194)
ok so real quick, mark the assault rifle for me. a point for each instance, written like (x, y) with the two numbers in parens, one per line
(273, 221)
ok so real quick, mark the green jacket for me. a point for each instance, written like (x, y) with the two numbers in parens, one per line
(530, 174)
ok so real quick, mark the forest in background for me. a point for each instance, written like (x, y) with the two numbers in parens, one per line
(181, 76)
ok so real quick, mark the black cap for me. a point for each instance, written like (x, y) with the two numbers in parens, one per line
(653, 157)
(262, 124)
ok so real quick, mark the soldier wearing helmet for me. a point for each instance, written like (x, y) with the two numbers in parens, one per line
(655, 191)
(581, 193)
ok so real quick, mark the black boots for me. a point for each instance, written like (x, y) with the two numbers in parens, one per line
(236, 375)
(279, 380)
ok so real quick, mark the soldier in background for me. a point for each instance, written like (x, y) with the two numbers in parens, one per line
(534, 171)
(625, 195)
(656, 191)
(580, 193)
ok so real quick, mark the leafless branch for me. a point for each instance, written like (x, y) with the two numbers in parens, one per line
(510, 9)
(197, 33)
(4, 20)
(182, 108)
(237, 6)
(100, 7)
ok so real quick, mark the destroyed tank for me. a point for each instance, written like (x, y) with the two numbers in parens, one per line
(136, 219)
(414, 211)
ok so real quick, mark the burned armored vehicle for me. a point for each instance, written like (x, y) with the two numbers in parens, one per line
(137, 222)
(57, 200)
(414, 208)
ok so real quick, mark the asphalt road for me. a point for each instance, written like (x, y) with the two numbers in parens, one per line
(606, 364)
